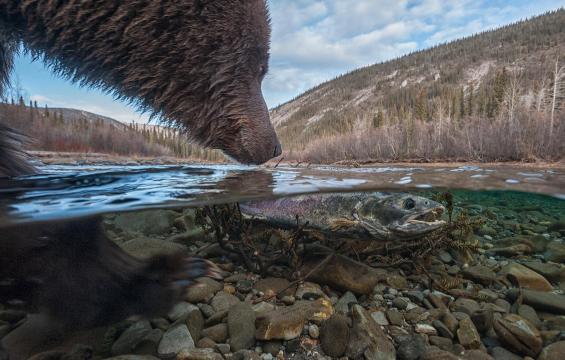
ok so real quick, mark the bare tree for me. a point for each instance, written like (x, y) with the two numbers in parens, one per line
(542, 94)
(512, 95)
(558, 91)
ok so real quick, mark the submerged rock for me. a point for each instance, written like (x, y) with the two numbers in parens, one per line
(367, 340)
(540, 300)
(341, 273)
(520, 275)
(334, 336)
(519, 335)
(287, 323)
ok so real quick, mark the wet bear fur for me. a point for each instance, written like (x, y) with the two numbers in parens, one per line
(194, 64)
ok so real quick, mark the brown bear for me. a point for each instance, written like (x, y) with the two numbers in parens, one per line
(194, 64)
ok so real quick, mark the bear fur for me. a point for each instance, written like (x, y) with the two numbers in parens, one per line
(194, 64)
(75, 275)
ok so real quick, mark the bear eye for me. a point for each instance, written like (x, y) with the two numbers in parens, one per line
(262, 71)
(409, 204)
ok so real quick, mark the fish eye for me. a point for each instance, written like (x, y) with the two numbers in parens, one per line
(409, 204)
(427, 203)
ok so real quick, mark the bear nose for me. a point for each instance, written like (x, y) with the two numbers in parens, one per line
(278, 149)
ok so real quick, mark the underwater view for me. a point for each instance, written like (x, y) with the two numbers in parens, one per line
(232, 262)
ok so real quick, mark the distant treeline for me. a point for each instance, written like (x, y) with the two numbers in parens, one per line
(50, 131)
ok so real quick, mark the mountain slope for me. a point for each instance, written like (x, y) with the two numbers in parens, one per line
(450, 71)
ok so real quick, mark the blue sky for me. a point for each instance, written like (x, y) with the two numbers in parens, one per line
(316, 40)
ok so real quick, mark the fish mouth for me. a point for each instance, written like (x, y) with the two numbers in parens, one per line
(429, 217)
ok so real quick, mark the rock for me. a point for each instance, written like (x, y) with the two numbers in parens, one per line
(503, 304)
(216, 318)
(555, 324)
(206, 343)
(218, 333)
(175, 339)
(397, 282)
(479, 274)
(518, 335)
(468, 335)
(399, 303)
(500, 353)
(148, 345)
(206, 310)
(441, 342)
(520, 275)
(223, 301)
(540, 242)
(413, 348)
(469, 304)
(130, 337)
(463, 256)
(272, 347)
(394, 317)
(241, 325)
(310, 290)
(146, 222)
(275, 284)
(466, 355)
(245, 355)
(195, 323)
(198, 354)
(443, 330)
(450, 322)
(528, 313)
(540, 300)
(511, 251)
(552, 273)
(145, 247)
(244, 286)
(207, 288)
(181, 310)
(343, 303)
(555, 252)
(380, 318)
(485, 230)
(287, 323)
(367, 339)
(554, 351)
(415, 296)
(425, 329)
(340, 272)
(313, 331)
(160, 323)
(483, 320)
(444, 257)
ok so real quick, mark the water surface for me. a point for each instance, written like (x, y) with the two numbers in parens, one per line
(65, 193)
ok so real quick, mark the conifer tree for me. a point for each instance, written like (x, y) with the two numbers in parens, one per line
(379, 119)
(470, 101)
(420, 108)
(462, 112)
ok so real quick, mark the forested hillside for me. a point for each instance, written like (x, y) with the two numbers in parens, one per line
(498, 95)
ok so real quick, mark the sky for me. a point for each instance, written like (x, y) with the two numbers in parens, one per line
(317, 40)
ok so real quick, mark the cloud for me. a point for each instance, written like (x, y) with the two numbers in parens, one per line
(315, 40)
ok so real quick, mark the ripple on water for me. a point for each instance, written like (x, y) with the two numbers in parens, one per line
(69, 192)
